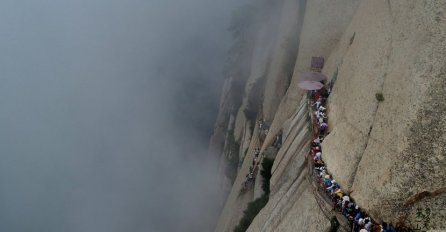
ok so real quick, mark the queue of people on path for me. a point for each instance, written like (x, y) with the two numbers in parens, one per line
(254, 167)
(253, 170)
(341, 201)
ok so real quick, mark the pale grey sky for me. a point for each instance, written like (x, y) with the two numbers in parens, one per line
(105, 111)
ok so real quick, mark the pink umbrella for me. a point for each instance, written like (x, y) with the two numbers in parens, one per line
(310, 85)
(312, 76)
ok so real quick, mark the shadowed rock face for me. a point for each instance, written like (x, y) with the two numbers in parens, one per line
(391, 154)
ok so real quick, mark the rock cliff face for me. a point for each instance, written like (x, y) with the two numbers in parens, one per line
(391, 154)
(395, 148)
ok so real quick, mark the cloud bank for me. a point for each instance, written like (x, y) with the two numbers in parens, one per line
(106, 111)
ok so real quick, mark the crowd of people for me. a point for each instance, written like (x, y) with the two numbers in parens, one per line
(253, 170)
(341, 201)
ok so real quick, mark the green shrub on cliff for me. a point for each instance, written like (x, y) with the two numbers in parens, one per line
(250, 213)
(334, 224)
(379, 97)
(267, 166)
(255, 206)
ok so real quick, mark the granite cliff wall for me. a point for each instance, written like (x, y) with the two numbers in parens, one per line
(390, 154)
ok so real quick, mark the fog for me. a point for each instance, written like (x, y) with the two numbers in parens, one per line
(106, 111)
